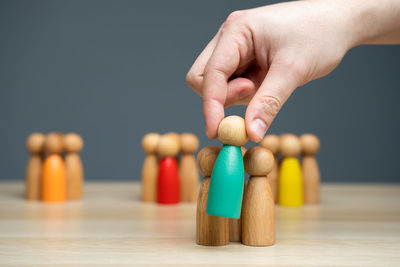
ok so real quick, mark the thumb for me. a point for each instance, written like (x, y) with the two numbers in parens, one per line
(276, 88)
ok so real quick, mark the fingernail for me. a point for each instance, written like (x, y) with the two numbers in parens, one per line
(259, 127)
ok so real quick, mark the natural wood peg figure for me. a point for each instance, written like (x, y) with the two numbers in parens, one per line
(54, 181)
(168, 177)
(272, 143)
(35, 146)
(73, 164)
(210, 230)
(150, 167)
(258, 215)
(188, 175)
(235, 225)
(311, 177)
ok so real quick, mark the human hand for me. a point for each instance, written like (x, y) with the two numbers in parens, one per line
(260, 56)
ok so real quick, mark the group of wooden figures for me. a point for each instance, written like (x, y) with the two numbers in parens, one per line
(294, 183)
(169, 173)
(275, 177)
(54, 171)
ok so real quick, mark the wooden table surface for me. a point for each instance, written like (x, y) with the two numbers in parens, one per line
(356, 225)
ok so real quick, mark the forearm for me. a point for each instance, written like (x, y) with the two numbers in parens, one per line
(373, 21)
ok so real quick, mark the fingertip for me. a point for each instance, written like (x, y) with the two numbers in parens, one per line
(256, 129)
(213, 115)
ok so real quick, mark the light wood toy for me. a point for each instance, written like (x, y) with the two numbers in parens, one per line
(210, 230)
(188, 175)
(227, 179)
(150, 167)
(35, 146)
(54, 182)
(235, 225)
(311, 177)
(73, 145)
(272, 143)
(290, 188)
(258, 219)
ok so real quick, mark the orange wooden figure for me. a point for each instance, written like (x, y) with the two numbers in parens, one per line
(54, 182)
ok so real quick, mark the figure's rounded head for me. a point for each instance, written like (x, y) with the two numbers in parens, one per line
(35, 143)
(258, 161)
(271, 142)
(189, 143)
(206, 159)
(150, 142)
(73, 142)
(290, 145)
(54, 143)
(232, 131)
(309, 144)
(168, 145)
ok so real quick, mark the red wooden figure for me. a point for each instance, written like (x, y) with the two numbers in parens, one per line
(168, 181)
(168, 178)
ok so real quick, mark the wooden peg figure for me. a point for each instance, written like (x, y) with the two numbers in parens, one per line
(73, 145)
(258, 219)
(150, 167)
(210, 230)
(35, 146)
(272, 143)
(189, 178)
(168, 178)
(235, 225)
(54, 182)
(227, 179)
(290, 188)
(311, 177)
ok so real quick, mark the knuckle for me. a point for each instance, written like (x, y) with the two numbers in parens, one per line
(235, 16)
(190, 79)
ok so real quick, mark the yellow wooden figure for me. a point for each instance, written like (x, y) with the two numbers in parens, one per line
(290, 178)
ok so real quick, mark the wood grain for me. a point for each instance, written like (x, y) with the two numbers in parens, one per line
(355, 225)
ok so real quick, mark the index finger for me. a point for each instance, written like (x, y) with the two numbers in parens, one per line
(222, 64)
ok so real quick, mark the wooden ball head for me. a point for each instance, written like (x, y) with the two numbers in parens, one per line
(168, 146)
(54, 143)
(271, 142)
(206, 159)
(73, 143)
(290, 146)
(232, 131)
(310, 144)
(150, 142)
(35, 143)
(258, 161)
(189, 143)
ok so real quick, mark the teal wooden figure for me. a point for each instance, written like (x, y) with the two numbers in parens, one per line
(227, 178)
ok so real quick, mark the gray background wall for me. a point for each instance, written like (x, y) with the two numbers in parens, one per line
(115, 70)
